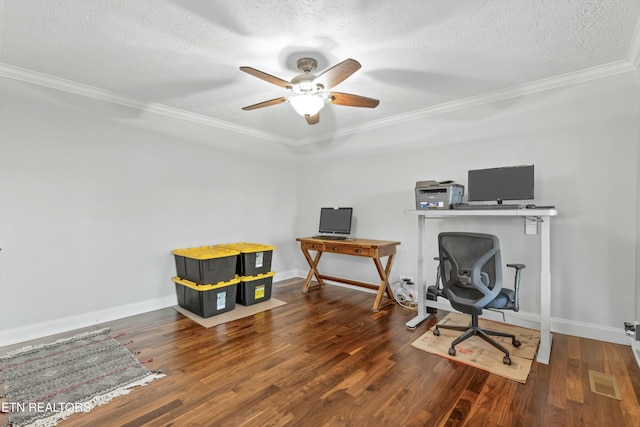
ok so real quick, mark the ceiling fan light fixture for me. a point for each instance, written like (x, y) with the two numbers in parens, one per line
(307, 104)
(310, 92)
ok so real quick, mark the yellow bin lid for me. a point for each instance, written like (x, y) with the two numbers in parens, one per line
(203, 288)
(245, 247)
(258, 277)
(206, 252)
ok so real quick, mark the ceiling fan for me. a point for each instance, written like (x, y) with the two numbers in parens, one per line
(310, 92)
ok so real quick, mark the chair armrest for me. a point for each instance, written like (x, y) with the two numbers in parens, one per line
(517, 266)
(516, 285)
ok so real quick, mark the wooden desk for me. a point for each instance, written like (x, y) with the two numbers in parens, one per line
(374, 249)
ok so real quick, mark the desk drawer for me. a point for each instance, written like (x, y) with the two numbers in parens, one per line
(313, 246)
(348, 249)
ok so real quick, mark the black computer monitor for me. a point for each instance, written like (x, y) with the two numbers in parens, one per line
(498, 184)
(335, 220)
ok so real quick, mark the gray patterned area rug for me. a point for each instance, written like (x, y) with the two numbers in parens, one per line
(46, 383)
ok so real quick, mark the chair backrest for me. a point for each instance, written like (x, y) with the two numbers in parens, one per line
(470, 269)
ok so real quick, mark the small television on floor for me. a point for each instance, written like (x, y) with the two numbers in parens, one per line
(335, 221)
(498, 184)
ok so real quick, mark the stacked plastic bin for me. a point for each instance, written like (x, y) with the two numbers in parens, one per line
(254, 270)
(206, 282)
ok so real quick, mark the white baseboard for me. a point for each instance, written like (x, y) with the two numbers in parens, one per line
(64, 324)
(561, 326)
(527, 320)
(532, 321)
(280, 277)
(590, 330)
(635, 348)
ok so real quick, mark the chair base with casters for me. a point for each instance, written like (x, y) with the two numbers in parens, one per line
(475, 330)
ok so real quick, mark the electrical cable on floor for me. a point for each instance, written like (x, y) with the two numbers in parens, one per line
(405, 294)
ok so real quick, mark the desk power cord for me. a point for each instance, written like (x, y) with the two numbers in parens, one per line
(405, 294)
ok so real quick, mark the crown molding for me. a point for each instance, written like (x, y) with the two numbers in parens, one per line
(634, 48)
(57, 83)
(593, 73)
(568, 79)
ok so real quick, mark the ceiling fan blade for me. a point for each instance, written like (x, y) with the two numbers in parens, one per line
(312, 120)
(267, 77)
(338, 73)
(265, 103)
(352, 100)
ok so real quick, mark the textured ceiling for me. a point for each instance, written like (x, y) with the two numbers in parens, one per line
(183, 55)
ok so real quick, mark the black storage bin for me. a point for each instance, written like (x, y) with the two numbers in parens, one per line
(255, 289)
(254, 258)
(206, 300)
(206, 264)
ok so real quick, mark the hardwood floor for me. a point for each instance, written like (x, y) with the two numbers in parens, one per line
(325, 359)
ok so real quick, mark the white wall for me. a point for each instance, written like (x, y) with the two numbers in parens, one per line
(637, 114)
(94, 196)
(583, 142)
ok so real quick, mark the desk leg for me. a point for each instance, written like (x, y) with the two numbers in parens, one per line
(384, 283)
(544, 352)
(421, 283)
(313, 271)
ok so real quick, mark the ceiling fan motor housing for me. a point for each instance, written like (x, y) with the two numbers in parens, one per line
(307, 64)
(303, 83)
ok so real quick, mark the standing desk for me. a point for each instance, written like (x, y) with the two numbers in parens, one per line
(544, 352)
(374, 249)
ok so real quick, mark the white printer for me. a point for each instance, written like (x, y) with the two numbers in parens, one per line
(438, 195)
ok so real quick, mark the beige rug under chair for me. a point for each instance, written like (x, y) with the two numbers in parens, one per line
(480, 354)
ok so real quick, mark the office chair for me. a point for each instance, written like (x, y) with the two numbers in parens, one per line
(471, 277)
